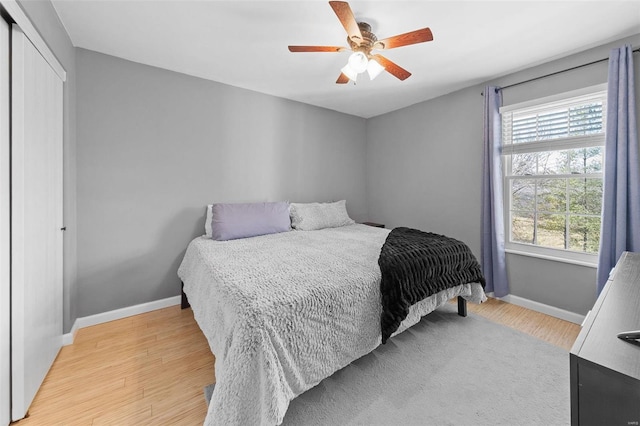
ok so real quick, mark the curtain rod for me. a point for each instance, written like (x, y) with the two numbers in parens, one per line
(554, 73)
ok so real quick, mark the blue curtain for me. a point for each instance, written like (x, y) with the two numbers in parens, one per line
(493, 256)
(621, 199)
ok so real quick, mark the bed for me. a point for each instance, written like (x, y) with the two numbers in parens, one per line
(283, 311)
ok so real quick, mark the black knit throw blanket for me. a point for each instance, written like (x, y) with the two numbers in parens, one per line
(417, 264)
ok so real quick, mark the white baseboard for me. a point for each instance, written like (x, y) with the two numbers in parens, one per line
(542, 308)
(67, 339)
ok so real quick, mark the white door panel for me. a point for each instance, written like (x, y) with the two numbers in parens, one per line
(5, 194)
(36, 241)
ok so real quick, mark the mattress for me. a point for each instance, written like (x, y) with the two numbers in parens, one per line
(281, 312)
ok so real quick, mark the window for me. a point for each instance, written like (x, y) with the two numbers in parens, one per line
(553, 152)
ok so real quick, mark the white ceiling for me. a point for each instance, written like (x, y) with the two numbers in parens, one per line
(244, 43)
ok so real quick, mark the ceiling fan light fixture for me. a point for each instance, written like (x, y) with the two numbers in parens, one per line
(374, 69)
(361, 41)
(358, 62)
(349, 72)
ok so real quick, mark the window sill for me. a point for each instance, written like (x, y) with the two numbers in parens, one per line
(553, 258)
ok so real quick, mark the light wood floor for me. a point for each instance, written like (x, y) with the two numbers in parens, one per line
(550, 329)
(150, 369)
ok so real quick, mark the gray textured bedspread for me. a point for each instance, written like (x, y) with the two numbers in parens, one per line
(283, 311)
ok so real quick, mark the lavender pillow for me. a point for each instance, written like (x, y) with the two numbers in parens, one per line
(243, 220)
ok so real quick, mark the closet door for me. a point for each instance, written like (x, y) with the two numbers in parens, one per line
(36, 220)
(5, 305)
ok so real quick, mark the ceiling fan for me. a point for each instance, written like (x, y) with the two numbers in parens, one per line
(362, 42)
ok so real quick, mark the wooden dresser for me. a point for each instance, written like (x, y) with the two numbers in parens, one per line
(605, 370)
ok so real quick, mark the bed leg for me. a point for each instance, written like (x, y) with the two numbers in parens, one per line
(462, 306)
(184, 304)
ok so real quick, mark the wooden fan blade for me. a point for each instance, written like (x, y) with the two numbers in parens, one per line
(348, 21)
(413, 37)
(343, 79)
(316, 48)
(392, 68)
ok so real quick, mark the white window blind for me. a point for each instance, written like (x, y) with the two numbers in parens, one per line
(561, 124)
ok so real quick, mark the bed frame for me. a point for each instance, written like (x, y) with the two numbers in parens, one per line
(462, 302)
(184, 304)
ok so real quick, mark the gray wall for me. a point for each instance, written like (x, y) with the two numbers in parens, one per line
(45, 19)
(424, 169)
(156, 146)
